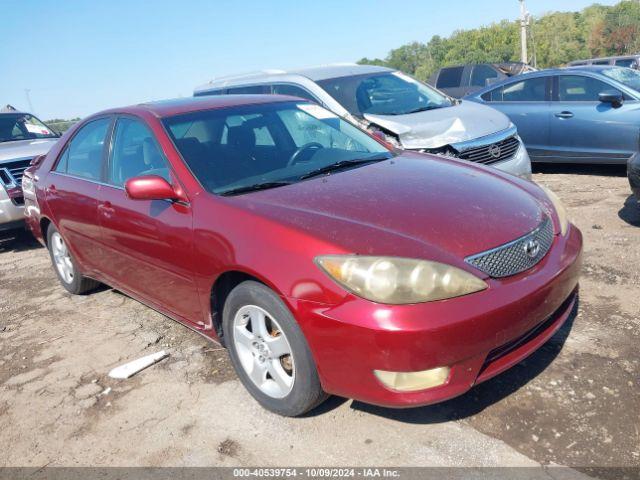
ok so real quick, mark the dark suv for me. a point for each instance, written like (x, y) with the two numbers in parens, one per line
(461, 80)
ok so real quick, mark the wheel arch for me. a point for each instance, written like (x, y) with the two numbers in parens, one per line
(45, 222)
(223, 285)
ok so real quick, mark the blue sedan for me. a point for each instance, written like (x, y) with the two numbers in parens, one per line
(573, 115)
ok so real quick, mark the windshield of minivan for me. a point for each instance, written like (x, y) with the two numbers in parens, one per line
(247, 148)
(626, 76)
(22, 126)
(392, 93)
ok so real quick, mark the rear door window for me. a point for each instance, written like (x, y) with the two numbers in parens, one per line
(250, 90)
(293, 90)
(83, 156)
(531, 90)
(450, 77)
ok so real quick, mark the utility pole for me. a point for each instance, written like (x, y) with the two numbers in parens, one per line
(524, 23)
(26, 92)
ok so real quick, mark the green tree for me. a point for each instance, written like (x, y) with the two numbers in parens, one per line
(556, 38)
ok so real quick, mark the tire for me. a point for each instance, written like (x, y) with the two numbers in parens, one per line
(258, 325)
(65, 266)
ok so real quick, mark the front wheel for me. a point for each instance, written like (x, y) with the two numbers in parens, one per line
(65, 266)
(269, 351)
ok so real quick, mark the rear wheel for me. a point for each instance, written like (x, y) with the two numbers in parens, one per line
(65, 266)
(269, 351)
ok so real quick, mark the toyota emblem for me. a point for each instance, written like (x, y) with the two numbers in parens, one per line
(495, 151)
(532, 248)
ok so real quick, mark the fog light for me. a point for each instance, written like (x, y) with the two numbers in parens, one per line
(413, 381)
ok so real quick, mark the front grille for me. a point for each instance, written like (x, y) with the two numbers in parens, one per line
(517, 256)
(493, 152)
(11, 172)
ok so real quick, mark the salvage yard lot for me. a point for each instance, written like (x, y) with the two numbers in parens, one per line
(575, 402)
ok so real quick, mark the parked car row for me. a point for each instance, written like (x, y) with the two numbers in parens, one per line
(334, 237)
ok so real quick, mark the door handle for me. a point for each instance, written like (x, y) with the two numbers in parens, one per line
(51, 189)
(564, 114)
(106, 209)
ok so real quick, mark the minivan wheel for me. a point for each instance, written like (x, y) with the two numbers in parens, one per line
(64, 265)
(269, 352)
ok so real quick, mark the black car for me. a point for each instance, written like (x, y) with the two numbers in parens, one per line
(633, 172)
(461, 80)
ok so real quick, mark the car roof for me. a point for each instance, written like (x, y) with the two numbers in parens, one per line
(177, 106)
(315, 73)
(323, 72)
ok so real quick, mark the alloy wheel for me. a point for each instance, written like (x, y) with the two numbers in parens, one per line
(62, 258)
(264, 351)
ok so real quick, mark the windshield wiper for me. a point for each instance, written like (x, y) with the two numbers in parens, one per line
(342, 165)
(254, 188)
(421, 109)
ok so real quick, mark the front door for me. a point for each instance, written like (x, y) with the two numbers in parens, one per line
(583, 129)
(150, 242)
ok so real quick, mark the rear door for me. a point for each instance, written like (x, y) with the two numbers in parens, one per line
(585, 130)
(527, 103)
(149, 243)
(72, 190)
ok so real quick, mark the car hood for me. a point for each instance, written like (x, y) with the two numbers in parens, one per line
(415, 205)
(443, 126)
(25, 148)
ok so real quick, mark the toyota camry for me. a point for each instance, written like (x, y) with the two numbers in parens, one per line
(325, 260)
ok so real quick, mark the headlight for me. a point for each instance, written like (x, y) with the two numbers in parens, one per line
(395, 281)
(560, 210)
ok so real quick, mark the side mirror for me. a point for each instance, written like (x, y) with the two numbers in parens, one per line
(613, 97)
(150, 187)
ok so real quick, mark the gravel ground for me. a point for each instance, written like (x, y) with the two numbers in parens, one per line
(575, 402)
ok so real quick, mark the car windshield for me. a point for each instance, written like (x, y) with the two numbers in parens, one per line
(240, 149)
(626, 76)
(392, 93)
(23, 126)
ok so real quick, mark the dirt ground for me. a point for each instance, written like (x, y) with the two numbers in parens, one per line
(575, 402)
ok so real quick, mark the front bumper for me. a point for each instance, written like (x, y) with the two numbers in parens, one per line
(478, 336)
(519, 164)
(633, 173)
(11, 209)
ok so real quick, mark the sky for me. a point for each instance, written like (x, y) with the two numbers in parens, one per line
(73, 58)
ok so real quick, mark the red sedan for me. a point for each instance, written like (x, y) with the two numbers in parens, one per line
(326, 262)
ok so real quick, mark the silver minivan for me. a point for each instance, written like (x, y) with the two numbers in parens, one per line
(629, 61)
(388, 103)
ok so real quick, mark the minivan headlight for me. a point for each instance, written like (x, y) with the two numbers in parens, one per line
(395, 281)
(563, 218)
